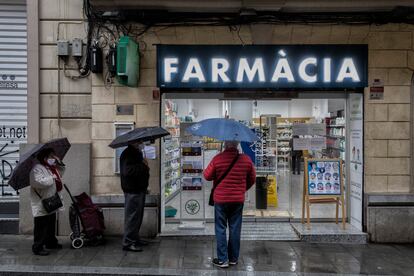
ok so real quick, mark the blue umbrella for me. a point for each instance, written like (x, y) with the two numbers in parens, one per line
(223, 130)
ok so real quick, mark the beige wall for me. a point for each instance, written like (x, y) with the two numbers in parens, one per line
(75, 111)
(88, 107)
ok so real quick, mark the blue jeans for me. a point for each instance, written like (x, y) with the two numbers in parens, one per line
(232, 214)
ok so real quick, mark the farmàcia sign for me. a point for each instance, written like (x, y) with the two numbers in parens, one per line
(262, 66)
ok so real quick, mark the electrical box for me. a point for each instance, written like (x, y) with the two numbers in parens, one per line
(111, 60)
(96, 59)
(77, 47)
(127, 67)
(63, 48)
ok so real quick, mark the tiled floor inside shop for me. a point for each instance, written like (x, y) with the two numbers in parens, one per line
(190, 256)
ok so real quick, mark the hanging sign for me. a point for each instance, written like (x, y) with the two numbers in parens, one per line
(262, 66)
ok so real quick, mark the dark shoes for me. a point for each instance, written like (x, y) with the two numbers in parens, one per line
(41, 252)
(132, 248)
(233, 263)
(220, 264)
(141, 243)
(55, 246)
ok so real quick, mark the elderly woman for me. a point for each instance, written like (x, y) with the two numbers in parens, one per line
(45, 182)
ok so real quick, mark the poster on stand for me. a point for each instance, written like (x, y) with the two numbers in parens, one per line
(324, 177)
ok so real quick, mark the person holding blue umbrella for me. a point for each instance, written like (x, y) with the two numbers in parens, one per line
(232, 174)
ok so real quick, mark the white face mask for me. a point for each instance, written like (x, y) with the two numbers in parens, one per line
(51, 161)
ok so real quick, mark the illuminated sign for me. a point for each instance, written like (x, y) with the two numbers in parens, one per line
(262, 66)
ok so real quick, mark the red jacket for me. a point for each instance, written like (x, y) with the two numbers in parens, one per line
(238, 180)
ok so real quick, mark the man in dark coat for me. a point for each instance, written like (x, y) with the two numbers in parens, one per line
(134, 172)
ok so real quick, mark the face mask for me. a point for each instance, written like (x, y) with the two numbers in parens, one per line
(51, 161)
(141, 146)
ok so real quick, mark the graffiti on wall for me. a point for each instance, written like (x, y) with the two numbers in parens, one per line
(11, 137)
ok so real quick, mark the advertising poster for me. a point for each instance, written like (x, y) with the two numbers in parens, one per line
(317, 129)
(324, 177)
(356, 159)
(317, 143)
(309, 129)
(301, 144)
(300, 129)
(192, 183)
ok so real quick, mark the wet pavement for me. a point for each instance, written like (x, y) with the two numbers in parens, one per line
(168, 256)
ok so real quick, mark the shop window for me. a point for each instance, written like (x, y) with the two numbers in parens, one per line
(121, 128)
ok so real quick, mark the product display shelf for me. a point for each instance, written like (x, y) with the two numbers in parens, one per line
(171, 170)
(266, 152)
(284, 134)
(172, 156)
(192, 167)
(335, 135)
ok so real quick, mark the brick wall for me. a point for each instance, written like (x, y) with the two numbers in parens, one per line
(88, 108)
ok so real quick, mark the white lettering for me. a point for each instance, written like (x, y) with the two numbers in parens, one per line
(169, 69)
(257, 68)
(282, 65)
(219, 67)
(193, 65)
(302, 69)
(326, 70)
(348, 70)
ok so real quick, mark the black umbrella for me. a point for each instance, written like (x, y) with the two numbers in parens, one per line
(20, 177)
(141, 134)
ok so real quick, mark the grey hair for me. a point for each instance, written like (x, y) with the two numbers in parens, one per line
(231, 144)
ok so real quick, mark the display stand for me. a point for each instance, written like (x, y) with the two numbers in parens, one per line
(192, 196)
(323, 184)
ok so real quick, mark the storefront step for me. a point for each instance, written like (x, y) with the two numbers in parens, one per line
(275, 231)
(330, 233)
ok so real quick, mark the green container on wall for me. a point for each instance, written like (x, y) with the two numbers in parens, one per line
(127, 62)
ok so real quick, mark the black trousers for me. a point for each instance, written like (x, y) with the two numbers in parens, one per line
(296, 163)
(44, 232)
(134, 214)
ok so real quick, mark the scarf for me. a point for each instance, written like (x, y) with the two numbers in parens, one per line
(58, 179)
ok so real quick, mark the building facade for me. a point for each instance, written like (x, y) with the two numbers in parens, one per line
(85, 109)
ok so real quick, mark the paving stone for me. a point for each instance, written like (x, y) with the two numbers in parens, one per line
(193, 257)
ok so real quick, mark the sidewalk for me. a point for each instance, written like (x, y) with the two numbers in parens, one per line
(168, 256)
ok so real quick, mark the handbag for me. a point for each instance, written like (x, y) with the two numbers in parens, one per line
(51, 203)
(211, 199)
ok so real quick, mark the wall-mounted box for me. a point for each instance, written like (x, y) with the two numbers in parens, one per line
(127, 62)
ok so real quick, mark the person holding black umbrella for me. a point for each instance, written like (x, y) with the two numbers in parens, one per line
(134, 172)
(46, 184)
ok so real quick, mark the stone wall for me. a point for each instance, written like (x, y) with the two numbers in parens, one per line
(75, 96)
(88, 108)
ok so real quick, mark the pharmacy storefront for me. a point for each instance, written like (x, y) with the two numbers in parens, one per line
(305, 102)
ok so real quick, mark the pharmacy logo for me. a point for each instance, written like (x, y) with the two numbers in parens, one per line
(192, 207)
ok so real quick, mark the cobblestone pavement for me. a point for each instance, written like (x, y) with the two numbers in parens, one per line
(168, 256)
